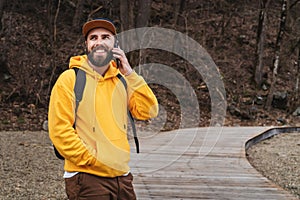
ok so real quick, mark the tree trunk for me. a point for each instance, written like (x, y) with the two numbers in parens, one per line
(297, 65)
(127, 22)
(142, 20)
(124, 7)
(260, 41)
(293, 33)
(277, 53)
(55, 20)
(1, 12)
(78, 15)
(131, 18)
(143, 13)
(178, 7)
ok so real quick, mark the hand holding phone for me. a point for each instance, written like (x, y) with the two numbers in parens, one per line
(121, 60)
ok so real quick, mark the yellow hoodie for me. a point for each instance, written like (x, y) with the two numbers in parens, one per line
(99, 145)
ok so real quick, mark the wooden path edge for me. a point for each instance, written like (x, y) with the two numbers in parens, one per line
(270, 133)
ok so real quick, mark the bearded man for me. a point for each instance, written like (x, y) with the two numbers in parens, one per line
(93, 139)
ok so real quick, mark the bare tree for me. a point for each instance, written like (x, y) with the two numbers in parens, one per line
(52, 17)
(293, 32)
(143, 13)
(126, 14)
(297, 65)
(261, 40)
(1, 12)
(129, 21)
(178, 7)
(277, 53)
(78, 14)
(142, 20)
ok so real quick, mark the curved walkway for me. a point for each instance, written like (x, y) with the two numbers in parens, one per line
(200, 163)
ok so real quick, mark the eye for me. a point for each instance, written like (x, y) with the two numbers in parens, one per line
(105, 37)
(93, 37)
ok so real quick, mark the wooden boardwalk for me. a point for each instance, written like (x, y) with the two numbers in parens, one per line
(203, 163)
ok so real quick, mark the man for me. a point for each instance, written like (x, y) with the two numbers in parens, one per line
(96, 148)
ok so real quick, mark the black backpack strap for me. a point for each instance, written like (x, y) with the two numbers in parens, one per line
(78, 88)
(136, 140)
(131, 117)
(57, 154)
(123, 80)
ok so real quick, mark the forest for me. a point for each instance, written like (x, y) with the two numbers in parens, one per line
(253, 43)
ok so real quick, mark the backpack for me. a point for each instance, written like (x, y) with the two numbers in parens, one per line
(78, 89)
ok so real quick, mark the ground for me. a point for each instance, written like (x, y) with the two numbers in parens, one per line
(278, 159)
(30, 170)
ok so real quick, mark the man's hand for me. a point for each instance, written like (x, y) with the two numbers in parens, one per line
(125, 67)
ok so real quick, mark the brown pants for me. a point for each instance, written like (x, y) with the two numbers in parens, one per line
(85, 186)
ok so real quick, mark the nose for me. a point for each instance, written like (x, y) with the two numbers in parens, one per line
(99, 42)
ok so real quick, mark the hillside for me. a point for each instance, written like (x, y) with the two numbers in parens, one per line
(37, 40)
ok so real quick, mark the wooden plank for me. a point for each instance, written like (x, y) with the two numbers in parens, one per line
(202, 163)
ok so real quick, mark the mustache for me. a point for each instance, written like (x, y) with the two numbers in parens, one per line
(100, 47)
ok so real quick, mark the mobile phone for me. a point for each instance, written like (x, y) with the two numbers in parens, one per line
(116, 45)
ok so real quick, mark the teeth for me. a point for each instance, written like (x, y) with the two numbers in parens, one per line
(100, 51)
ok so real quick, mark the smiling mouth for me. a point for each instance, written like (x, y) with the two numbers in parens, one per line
(100, 51)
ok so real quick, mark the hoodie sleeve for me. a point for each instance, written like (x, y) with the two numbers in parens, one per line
(142, 102)
(61, 118)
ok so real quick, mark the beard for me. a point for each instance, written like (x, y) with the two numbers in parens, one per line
(100, 61)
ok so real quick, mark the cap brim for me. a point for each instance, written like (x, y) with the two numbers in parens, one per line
(98, 23)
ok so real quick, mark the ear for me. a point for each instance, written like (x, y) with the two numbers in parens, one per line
(86, 46)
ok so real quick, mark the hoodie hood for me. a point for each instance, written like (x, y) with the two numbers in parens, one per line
(81, 62)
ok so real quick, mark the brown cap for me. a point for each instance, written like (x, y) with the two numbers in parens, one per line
(98, 23)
